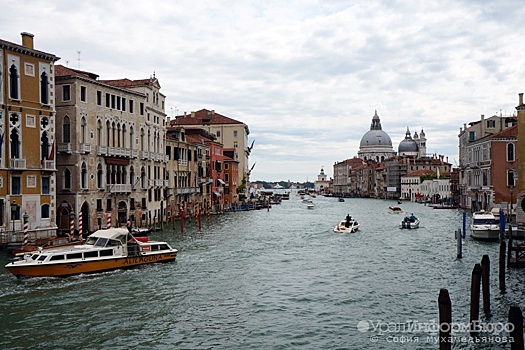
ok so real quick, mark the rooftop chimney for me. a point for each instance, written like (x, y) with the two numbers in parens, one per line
(27, 40)
(521, 99)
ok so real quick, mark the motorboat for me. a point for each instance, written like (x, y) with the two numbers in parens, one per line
(395, 210)
(348, 225)
(141, 231)
(341, 199)
(52, 242)
(104, 250)
(310, 204)
(409, 222)
(485, 226)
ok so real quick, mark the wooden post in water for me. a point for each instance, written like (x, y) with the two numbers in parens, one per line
(502, 249)
(182, 219)
(459, 244)
(485, 282)
(516, 319)
(445, 320)
(474, 299)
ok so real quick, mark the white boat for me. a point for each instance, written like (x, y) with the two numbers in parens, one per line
(485, 226)
(310, 204)
(409, 222)
(104, 250)
(395, 210)
(347, 225)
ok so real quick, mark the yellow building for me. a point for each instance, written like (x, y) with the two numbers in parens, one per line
(27, 135)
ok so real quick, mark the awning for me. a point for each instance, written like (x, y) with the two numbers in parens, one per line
(222, 182)
(218, 194)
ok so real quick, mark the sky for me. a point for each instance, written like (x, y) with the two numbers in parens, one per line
(306, 76)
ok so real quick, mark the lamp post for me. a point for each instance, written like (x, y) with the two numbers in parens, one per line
(13, 213)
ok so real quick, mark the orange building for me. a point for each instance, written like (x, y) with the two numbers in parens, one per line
(27, 138)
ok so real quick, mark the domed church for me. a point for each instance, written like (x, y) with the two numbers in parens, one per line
(415, 147)
(376, 144)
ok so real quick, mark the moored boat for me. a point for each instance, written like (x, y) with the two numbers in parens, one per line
(53, 242)
(485, 226)
(104, 250)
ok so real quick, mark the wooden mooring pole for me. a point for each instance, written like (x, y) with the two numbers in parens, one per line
(459, 244)
(445, 320)
(516, 333)
(485, 282)
(502, 249)
(474, 299)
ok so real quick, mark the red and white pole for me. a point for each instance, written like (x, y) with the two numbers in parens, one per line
(80, 226)
(108, 223)
(71, 227)
(26, 233)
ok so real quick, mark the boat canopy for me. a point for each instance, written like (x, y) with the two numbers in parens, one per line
(110, 233)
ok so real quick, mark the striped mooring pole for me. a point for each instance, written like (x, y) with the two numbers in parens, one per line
(71, 227)
(80, 226)
(108, 222)
(26, 233)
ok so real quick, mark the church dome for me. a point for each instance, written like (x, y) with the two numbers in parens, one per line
(375, 137)
(408, 145)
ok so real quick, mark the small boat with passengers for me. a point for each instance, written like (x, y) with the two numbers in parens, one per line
(409, 222)
(104, 250)
(348, 225)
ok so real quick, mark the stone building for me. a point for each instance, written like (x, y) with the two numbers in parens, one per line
(110, 151)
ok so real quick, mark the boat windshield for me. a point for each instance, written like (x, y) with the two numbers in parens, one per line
(485, 222)
(101, 242)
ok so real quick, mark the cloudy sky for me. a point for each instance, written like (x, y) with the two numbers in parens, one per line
(306, 76)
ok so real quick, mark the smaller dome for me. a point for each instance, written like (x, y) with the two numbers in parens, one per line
(408, 145)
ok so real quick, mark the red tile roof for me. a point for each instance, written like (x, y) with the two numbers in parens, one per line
(203, 117)
(511, 132)
(421, 173)
(61, 71)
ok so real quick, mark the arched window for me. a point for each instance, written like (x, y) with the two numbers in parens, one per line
(44, 214)
(13, 82)
(15, 144)
(44, 88)
(510, 152)
(124, 136)
(66, 130)
(83, 130)
(113, 130)
(83, 176)
(131, 137)
(510, 177)
(99, 133)
(132, 176)
(44, 144)
(142, 148)
(100, 176)
(67, 179)
(108, 133)
(119, 136)
(143, 178)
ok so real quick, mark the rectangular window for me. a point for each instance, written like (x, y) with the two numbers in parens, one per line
(118, 102)
(99, 205)
(234, 133)
(83, 94)
(132, 203)
(218, 133)
(74, 256)
(113, 101)
(472, 136)
(108, 204)
(131, 103)
(108, 100)
(99, 98)
(141, 108)
(16, 185)
(66, 93)
(45, 185)
(31, 181)
(123, 104)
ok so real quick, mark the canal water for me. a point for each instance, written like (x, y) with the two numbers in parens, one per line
(270, 279)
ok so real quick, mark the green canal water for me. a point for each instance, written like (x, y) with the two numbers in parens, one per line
(277, 279)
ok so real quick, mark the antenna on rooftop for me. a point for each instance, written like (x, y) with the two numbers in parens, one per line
(78, 52)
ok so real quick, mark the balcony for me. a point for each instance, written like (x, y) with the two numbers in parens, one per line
(64, 147)
(18, 163)
(102, 150)
(48, 164)
(85, 148)
(151, 183)
(159, 183)
(134, 153)
(119, 152)
(118, 188)
(144, 155)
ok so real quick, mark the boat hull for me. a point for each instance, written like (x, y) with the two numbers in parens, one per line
(485, 235)
(70, 268)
